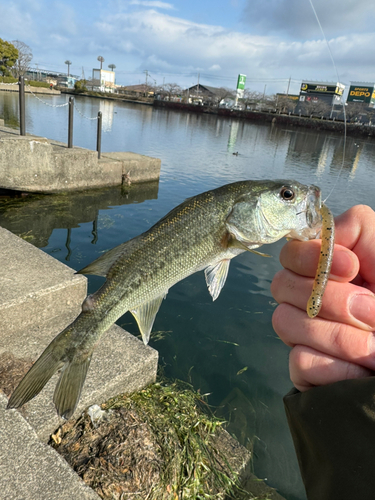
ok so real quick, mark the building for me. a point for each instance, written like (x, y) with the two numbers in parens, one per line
(205, 94)
(140, 90)
(319, 98)
(103, 80)
(66, 81)
(44, 75)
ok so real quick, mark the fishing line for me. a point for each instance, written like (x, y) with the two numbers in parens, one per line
(343, 104)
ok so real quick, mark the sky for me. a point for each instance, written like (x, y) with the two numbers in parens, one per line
(275, 43)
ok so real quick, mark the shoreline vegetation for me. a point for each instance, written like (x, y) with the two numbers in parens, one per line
(292, 120)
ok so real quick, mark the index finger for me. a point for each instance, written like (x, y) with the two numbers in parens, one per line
(355, 229)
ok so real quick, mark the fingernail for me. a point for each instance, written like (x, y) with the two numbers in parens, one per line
(362, 308)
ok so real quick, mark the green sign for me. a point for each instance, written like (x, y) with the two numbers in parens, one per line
(241, 82)
(361, 94)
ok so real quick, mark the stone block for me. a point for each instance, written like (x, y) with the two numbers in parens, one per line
(136, 167)
(121, 363)
(35, 290)
(31, 470)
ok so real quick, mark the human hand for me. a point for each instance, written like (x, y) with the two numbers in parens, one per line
(339, 344)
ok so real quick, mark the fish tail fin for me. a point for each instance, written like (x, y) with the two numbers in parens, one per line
(35, 379)
(59, 354)
(69, 387)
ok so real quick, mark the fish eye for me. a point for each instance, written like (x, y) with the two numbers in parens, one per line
(287, 193)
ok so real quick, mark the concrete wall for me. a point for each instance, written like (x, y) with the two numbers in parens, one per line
(36, 164)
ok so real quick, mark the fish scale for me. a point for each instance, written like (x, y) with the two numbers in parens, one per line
(203, 233)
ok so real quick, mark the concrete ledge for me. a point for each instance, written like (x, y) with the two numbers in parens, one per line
(35, 289)
(35, 90)
(40, 297)
(121, 363)
(135, 167)
(35, 164)
(31, 470)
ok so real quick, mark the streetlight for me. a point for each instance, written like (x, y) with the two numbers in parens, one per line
(101, 60)
(68, 63)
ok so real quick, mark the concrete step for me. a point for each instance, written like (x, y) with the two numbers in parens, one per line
(31, 470)
(39, 296)
(35, 290)
(35, 164)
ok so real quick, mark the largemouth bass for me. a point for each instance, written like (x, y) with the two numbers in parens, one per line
(203, 233)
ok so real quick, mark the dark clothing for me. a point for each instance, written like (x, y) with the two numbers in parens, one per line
(333, 429)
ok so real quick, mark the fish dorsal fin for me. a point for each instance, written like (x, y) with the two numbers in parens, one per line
(145, 315)
(216, 276)
(102, 265)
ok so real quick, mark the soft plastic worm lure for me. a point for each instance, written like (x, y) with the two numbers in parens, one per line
(325, 262)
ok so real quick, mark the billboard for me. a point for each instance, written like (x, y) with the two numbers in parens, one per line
(323, 88)
(240, 85)
(361, 94)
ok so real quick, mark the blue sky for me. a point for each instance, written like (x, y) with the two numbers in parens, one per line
(268, 40)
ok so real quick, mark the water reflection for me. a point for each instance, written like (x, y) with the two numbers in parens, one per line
(34, 218)
(9, 110)
(107, 109)
(233, 136)
(206, 343)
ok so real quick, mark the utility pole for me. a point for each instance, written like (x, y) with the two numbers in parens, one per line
(198, 83)
(264, 92)
(287, 90)
(146, 73)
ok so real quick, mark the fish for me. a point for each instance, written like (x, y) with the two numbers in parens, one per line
(202, 234)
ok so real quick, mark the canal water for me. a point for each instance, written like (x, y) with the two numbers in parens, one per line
(226, 349)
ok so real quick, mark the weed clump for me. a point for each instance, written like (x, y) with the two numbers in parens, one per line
(154, 444)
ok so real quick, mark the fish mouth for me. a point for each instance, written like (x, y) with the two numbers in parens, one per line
(313, 207)
(309, 216)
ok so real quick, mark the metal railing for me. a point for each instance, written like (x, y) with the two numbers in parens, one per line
(71, 106)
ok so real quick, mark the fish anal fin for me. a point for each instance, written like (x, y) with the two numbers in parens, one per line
(145, 315)
(216, 276)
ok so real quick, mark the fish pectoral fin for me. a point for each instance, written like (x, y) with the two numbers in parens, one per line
(145, 315)
(216, 276)
(249, 248)
(259, 253)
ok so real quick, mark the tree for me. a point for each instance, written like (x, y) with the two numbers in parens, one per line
(316, 107)
(354, 110)
(285, 104)
(80, 86)
(112, 67)
(8, 56)
(251, 98)
(223, 93)
(24, 58)
(172, 89)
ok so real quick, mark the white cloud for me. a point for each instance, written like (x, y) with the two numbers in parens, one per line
(152, 3)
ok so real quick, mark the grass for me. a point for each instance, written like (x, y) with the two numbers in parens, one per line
(192, 468)
(159, 443)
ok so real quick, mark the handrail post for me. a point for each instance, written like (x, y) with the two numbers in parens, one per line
(70, 124)
(99, 135)
(21, 95)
